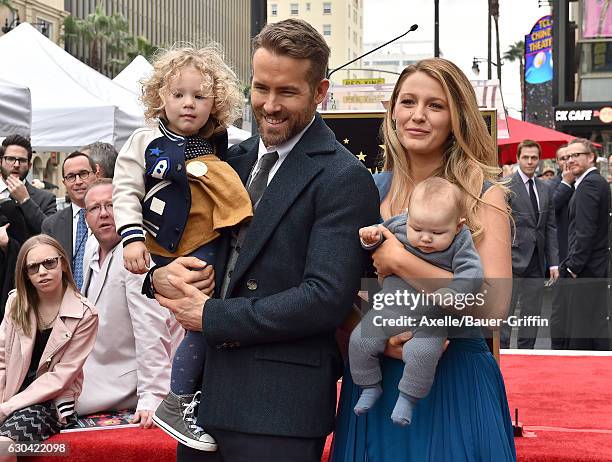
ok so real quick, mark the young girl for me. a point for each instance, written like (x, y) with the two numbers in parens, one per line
(47, 333)
(170, 181)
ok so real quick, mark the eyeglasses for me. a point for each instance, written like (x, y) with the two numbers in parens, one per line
(13, 160)
(48, 263)
(71, 177)
(575, 155)
(564, 158)
(95, 210)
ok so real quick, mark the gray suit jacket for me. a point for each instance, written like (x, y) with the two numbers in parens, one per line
(129, 366)
(59, 226)
(531, 231)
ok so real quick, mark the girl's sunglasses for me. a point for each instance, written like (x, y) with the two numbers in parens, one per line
(48, 263)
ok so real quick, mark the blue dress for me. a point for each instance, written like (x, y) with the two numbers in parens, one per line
(465, 417)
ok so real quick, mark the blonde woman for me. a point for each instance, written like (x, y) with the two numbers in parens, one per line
(433, 128)
(47, 332)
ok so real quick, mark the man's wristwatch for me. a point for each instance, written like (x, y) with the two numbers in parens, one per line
(148, 289)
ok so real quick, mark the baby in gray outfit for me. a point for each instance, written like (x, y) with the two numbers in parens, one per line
(434, 230)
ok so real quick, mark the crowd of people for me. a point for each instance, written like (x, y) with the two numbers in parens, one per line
(562, 239)
(204, 287)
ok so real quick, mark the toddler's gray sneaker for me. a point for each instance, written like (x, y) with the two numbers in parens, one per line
(176, 416)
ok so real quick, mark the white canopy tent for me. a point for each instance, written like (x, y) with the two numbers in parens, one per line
(15, 109)
(139, 69)
(72, 104)
(130, 77)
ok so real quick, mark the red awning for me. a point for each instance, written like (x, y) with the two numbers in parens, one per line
(549, 139)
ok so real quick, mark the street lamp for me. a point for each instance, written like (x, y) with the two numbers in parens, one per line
(15, 22)
(476, 68)
(9, 27)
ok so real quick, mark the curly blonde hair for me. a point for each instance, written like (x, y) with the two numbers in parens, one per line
(219, 81)
(470, 157)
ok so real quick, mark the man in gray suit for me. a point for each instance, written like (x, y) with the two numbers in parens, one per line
(534, 247)
(129, 366)
(35, 204)
(69, 226)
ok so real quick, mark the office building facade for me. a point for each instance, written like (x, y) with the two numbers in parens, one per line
(45, 15)
(165, 22)
(339, 21)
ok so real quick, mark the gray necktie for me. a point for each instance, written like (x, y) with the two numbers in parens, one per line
(255, 189)
(260, 180)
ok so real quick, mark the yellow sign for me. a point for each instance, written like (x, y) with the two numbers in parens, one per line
(354, 99)
(363, 81)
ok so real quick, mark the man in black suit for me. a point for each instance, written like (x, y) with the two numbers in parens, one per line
(610, 226)
(586, 265)
(12, 234)
(35, 204)
(269, 384)
(534, 248)
(9, 248)
(69, 226)
(563, 189)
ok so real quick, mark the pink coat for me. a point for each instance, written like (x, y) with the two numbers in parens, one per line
(60, 371)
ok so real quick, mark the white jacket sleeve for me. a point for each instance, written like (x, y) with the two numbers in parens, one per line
(129, 185)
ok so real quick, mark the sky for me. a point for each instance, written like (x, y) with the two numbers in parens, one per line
(463, 32)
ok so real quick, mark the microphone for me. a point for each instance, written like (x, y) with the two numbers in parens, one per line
(412, 29)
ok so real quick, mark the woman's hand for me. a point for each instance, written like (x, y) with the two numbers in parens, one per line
(396, 343)
(385, 256)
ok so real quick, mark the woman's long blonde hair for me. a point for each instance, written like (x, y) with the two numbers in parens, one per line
(470, 157)
(27, 298)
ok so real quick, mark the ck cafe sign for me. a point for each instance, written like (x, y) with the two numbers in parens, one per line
(583, 116)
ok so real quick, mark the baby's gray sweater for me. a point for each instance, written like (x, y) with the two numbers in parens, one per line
(460, 258)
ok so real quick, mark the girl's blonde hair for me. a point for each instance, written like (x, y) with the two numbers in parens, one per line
(27, 298)
(470, 156)
(219, 81)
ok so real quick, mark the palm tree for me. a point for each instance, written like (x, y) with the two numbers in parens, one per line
(495, 15)
(140, 45)
(516, 52)
(105, 36)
